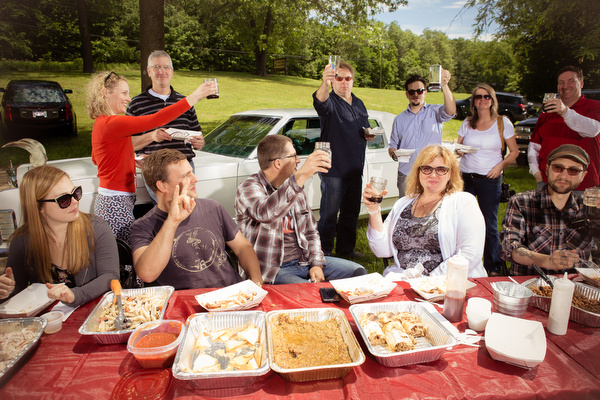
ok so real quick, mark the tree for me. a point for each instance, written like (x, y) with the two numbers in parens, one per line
(86, 43)
(152, 33)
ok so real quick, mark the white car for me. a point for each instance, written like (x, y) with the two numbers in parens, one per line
(229, 157)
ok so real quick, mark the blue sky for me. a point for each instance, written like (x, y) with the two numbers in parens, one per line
(447, 16)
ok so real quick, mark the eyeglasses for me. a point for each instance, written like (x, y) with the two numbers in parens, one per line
(427, 170)
(418, 91)
(482, 96)
(109, 76)
(64, 200)
(283, 158)
(165, 67)
(571, 171)
(341, 78)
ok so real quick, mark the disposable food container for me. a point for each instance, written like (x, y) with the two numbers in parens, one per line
(578, 315)
(363, 288)
(54, 321)
(156, 356)
(240, 296)
(90, 326)
(511, 298)
(428, 348)
(206, 322)
(589, 275)
(8, 325)
(322, 371)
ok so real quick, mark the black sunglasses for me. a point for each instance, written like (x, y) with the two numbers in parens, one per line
(413, 91)
(108, 77)
(427, 170)
(341, 78)
(64, 200)
(571, 171)
(482, 96)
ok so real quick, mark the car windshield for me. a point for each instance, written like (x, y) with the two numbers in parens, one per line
(36, 94)
(239, 135)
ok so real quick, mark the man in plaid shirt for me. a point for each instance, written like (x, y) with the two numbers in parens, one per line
(272, 212)
(547, 227)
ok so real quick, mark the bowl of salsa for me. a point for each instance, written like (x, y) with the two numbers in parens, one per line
(154, 344)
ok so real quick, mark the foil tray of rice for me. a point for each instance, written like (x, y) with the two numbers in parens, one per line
(311, 344)
(585, 309)
(18, 338)
(425, 339)
(139, 306)
(222, 350)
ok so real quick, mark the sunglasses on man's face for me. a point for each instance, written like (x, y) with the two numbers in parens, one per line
(418, 91)
(341, 78)
(570, 171)
(64, 200)
(483, 96)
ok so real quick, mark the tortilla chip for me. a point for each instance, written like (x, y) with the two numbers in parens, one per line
(250, 334)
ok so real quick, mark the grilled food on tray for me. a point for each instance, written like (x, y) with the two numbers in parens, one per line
(397, 331)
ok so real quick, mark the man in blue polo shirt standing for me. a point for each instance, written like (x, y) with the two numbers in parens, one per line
(343, 118)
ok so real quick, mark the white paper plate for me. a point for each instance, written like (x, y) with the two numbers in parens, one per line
(27, 303)
(515, 341)
(182, 134)
(420, 286)
(247, 287)
(363, 288)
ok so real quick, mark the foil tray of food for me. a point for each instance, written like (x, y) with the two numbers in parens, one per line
(433, 288)
(363, 288)
(240, 296)
(585, 308)
(296, 339)
(222, 350)
(589, 275)
(18, 338)
(401, 333)
(139, 306)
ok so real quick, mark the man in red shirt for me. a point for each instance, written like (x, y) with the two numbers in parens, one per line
(570, 119)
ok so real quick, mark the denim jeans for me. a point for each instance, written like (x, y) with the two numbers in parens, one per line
(151, 192)
(337, 268)
(343, 195)
(487, 192)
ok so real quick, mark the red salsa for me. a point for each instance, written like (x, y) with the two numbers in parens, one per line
(156, 340)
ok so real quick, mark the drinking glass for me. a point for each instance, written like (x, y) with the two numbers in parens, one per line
(589, 201)
(216, 81)
(548, 96)
(435, 77)
(324, 146)
(377, 186)
(334, 62)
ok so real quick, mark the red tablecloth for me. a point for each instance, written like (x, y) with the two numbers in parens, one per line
(67, 365)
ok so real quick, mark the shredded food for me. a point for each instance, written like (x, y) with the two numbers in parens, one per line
(237, 299)
(138, 309)
(12, 343)
(579, 301)
(299, 344)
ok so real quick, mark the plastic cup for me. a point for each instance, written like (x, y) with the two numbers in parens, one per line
(478, 312)
(378, 186)
(54, 322)
(435, 77)
(334, 62)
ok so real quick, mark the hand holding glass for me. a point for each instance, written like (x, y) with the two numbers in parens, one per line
(377, 187)
(216, 94)
(590, 195)
(324, 146)
(435, 77)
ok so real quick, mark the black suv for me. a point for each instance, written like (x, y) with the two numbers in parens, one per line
(524, 129)
(513, 106)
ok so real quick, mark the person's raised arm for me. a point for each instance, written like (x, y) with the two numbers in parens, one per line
(207, 88)
(247, 257)
(323, 90)
(449, 102)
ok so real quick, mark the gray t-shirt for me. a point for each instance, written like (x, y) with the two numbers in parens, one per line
(198, 257)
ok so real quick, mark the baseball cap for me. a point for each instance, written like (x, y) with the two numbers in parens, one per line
(572, 152)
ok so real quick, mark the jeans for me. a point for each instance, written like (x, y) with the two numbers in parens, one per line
(151, 192)
(343, 195)
(337, 268)
(487, 192)
(401, 183)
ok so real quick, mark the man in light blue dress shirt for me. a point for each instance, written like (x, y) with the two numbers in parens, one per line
(420, 124)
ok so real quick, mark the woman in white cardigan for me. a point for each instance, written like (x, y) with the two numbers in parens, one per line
(433, 222)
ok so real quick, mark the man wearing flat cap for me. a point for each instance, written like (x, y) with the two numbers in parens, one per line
(546, 227)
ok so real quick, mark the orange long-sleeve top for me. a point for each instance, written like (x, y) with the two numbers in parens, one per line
(112, 150)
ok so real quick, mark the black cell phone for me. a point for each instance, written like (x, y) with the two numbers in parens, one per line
(329, 295)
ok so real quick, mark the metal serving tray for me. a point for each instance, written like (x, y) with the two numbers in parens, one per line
(578, 315)
(324, 371)
(197, 323)
(90, 326)
(429, 348)
(18, 324)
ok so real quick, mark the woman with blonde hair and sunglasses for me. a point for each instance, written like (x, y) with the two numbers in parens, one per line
(482, 171)
(433, 222)
(73, 253)
(112, 149)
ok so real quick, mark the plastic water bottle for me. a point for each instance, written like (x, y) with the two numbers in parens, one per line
(560, 306)
(456, 288)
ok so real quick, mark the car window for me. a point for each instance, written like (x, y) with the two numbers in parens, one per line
(239, 135)
(304, 132)
(36, 94)
(378, 142)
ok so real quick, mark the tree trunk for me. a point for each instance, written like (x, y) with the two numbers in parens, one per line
(86, 43)
(152, 33)
(261, 49)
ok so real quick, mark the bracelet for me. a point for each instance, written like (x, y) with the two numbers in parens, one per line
(374, 211)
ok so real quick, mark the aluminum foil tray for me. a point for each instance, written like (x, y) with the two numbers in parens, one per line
(197, 323)
(90, 326)
(319, 372)
(18, 324)
(578, 315)
(429, 348)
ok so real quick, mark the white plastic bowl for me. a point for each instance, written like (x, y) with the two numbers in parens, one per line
(54, 323)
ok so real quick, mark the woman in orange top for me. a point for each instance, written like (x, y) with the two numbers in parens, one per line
(112, 150)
